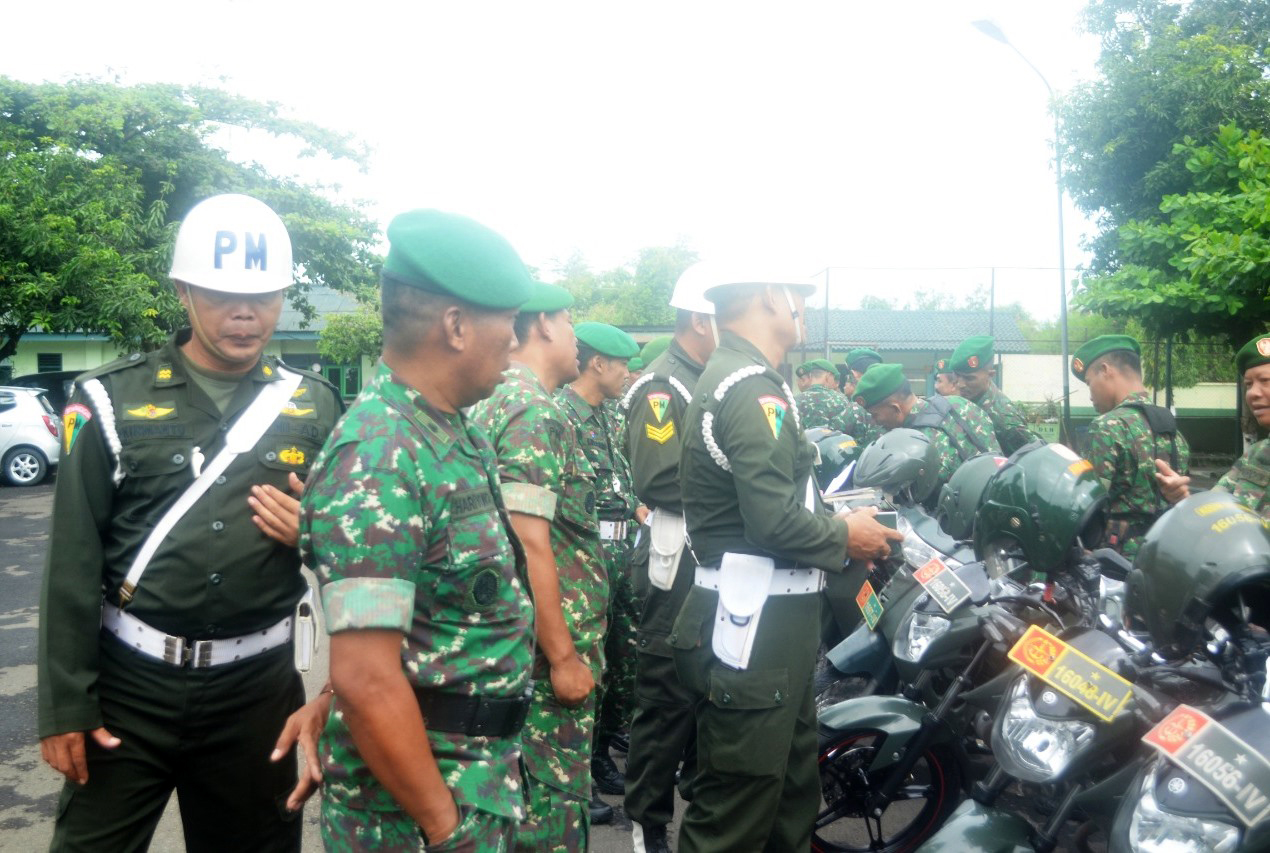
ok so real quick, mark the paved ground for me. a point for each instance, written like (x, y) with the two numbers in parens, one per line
(28, 788)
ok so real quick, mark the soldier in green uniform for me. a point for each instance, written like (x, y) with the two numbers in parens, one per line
(1249, 479)
(958, 428)
(1128, 438)
(745, 640)
(945, 379)
(972, 362)
(821, 405)
(663, 731)
(603, 351)
(860, 360)
(423, 586)
(183, 678)
(549, 488)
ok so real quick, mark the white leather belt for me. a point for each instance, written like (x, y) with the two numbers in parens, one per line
(784, 581)
(178, 651)
(614, 530)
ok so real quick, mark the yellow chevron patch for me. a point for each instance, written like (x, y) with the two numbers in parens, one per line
(661, 434)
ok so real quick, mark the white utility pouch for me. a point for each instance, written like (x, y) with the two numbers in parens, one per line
(744, 583)
(306, 632)
(667, 537)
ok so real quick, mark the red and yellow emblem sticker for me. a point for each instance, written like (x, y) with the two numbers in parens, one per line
(659, 402)
(1071, 672)
(870, 605)
(73, 420)
(774, 409)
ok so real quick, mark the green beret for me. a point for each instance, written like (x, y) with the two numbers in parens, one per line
(971, 354)
(546, 298)
(1255, 352)
(854, 356)
(941, 366)
(1093, 349)
(878, 382)
(446, 253)
(817, 364)
(635, 364)
(606, 340)
(654, 348)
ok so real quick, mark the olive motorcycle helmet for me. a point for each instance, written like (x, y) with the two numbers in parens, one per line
(960, 497)
(901, 460)
(1045, 501)
(1204, 563)
(835, 450)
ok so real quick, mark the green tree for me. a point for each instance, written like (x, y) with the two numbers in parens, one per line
(94, 178)
(348, 337)
(635, 294)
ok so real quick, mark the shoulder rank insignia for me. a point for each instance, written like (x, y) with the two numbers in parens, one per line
(151, 412)
(164, 374)
(774, 408)
(661, 434)
(291, 456)
(266, 370)
(73, 420)
(659, 401)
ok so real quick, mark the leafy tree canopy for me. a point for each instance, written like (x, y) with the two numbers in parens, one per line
(95, 177)
(635, 294)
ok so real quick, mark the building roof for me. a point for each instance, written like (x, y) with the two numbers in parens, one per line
(326, 303)
(898, 330)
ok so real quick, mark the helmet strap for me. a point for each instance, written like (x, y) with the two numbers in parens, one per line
(714, 330)
(793, 313)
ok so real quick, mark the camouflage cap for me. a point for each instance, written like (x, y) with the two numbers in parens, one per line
(858, 359)
(817, 364)
(654, 348)
(878, 382)
(1253, 353)
(972, 354)
(1094, 349)
(606, 340)
(446, 253)
(546, 298)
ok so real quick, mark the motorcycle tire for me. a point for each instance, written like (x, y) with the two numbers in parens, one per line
(933, 790)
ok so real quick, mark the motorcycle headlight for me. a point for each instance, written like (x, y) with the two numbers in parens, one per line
(1042, 749)
(918, 552)
(1153, 830)
(917, 633)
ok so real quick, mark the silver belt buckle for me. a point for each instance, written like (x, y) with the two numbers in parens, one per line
(201, 656)
(174, 650)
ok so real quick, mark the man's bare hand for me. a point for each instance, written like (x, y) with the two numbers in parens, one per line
(304, 726)
(866, 538)
(65, 753)
(277, 513)
(571, 681)
(1173, 486)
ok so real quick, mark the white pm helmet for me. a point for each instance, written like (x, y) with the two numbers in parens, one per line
(690, 290)
(234, 244)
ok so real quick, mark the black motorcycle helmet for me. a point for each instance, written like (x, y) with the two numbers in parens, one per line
(960, 497)
(1208, 558)
(899, 460)
(1045, 500)
(834, 451)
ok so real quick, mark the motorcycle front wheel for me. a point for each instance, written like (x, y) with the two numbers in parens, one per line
(925, 799)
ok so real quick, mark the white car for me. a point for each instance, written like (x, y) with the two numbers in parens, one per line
(30, 436)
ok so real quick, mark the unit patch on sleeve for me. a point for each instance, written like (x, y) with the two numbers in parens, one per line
(774, 409)
(659, 401)
(73, 420)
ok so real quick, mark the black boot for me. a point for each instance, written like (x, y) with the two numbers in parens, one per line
(650, 839)
(604, 772)
(601, 812)
(621, 742)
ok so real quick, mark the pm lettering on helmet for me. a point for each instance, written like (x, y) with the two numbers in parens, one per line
(255, 250)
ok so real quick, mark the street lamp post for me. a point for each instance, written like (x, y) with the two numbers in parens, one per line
(994, 32)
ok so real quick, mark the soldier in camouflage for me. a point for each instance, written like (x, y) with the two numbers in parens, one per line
(424, 587)
(603, 351)
(549, 487)
(821, 405)
(1128, 439)
(945, 379)
(958, 428)
(972, 362)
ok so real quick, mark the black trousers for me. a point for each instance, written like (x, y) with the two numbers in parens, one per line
(205, 733)
(663, 733)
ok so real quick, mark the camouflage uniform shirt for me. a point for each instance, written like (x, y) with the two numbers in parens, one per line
(1249, 478)
(544, 473)
(1122, 449)
(404, 524)
(1011, 430)
(614, 490)
(821, 406)
(964, 433)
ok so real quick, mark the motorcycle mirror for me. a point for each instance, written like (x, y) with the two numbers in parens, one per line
(1113, 564)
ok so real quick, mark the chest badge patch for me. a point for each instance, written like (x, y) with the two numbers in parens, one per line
(294, 411)
(774, 409)
(73, 420)
(151, 412)
(659, 401)
(292, 456)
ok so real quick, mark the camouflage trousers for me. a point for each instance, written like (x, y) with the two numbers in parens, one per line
(346, 830)
(556, 746)
(555, 821)
(616, 701)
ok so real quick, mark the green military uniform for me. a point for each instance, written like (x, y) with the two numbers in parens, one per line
(1249, 479)
(1123, 449)
(1007, 422)
(615, 504)
(544, 473)
(748, 488)
(137, 432)
(663, 731)
(965, 432)
(822, 407)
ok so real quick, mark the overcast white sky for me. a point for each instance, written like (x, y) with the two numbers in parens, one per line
(808, 135)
